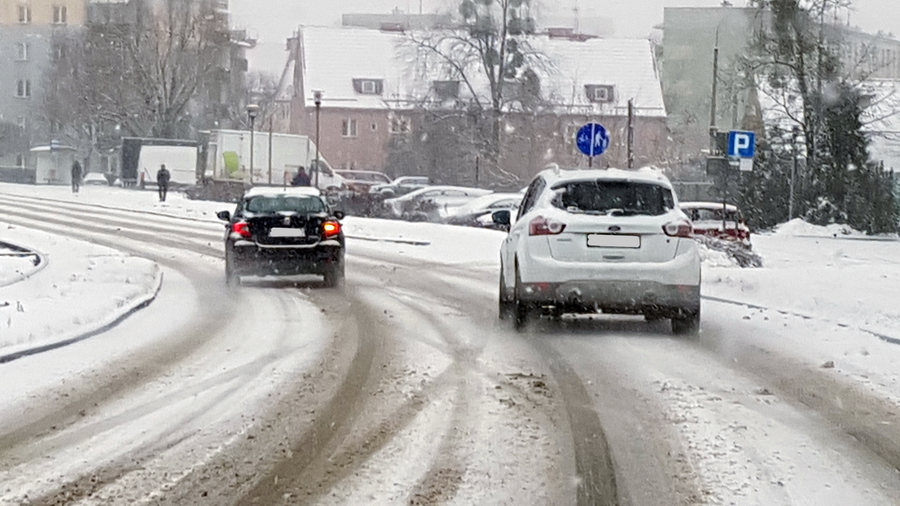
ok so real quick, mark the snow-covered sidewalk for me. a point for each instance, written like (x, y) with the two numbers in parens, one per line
(75, 290)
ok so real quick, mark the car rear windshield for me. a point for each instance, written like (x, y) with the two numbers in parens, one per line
(614, 197)
(703, 214)
(284, 203)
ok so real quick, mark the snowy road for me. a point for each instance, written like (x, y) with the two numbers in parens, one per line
(405, 388)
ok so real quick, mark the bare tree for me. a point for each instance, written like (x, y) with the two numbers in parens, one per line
(490, 56)
(160, 75)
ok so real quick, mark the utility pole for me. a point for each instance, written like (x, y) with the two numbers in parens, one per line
(794, 134)
(270, 149)
(630, 134)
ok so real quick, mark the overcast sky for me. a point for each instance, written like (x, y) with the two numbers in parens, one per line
(273, 21)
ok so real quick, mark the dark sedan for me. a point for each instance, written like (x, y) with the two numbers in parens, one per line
(283, 231)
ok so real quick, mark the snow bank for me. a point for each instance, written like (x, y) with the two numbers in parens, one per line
(60, 302)
(797, 227)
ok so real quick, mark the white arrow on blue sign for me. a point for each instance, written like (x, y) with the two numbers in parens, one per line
(592, 139)
(741, 144)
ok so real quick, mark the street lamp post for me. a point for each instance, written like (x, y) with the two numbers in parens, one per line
(252, 111)
(317, 96)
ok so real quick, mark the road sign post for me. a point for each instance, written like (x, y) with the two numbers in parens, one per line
(592, 140)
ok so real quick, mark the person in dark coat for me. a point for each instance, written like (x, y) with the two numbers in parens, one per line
(77, 174)
(301, 179)
(162, 181)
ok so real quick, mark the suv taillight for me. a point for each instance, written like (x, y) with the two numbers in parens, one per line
(241, 228)
(545, 226)
(678, 228)
(331, 229)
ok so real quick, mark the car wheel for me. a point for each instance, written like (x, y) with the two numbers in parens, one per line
(507, 306)
(686, 324)
(232, 278)
(523, 310)
(334, 274)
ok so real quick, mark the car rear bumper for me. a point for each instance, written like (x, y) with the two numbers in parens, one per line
(646, 287)
(249, 258)
(642, 297)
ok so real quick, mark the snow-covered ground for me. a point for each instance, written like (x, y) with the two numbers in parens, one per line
(824, 295)
(55, 298)
(829, 273)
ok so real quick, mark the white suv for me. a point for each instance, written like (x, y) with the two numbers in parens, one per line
(601, 240)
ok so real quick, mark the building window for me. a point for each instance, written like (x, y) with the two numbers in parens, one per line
(23, 88)
(601, 93)
(349, 128)
(368, 86)
(399, 125)
(22, 51)
(446, 90)
(60, 15)
(24, 13)
(20, 160)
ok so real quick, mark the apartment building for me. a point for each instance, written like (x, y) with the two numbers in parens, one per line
(27, 29)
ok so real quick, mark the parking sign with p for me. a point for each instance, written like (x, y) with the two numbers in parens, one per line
(741, 144)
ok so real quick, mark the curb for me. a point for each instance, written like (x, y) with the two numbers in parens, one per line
(139, 303)
(40, 265)
(886, 338)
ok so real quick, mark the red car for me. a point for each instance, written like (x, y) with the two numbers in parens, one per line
(709, 220)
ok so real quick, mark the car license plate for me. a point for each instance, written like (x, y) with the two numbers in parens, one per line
(287, 232)
(613, 241)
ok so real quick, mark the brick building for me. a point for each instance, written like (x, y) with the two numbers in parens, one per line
(377, 85)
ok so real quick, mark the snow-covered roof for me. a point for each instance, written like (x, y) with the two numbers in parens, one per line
(555, 175)
(881, 119)
(333, 57)
(706, 205)
(277, 191)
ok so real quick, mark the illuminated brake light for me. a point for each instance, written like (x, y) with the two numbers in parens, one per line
(331, 228)
(241, 228)
(545, 226)
(677, 229)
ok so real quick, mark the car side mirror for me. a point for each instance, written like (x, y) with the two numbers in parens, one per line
(224, 215)
(339, 215)
(501, 218)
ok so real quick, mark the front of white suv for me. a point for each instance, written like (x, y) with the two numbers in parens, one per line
(608, 240)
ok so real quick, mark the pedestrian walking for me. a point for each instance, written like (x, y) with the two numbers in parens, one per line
(77, 174)
(162, 181)
(301, 179)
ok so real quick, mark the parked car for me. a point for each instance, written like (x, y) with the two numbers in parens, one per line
(608, 240)
(283, 231)
(478, 212)
(95, 178)
(430, 203)
(400, 186)
(361, 181)
(709, 219)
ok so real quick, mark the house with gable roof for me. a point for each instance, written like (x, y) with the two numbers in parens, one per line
(377, 84)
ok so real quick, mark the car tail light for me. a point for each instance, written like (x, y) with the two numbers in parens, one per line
(678, 229)
(241, 228)
(331, 228)
(545, 226)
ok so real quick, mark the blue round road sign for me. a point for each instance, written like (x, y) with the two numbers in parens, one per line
(592, 139)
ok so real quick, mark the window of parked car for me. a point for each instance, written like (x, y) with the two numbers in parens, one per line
(713, 215)
(622, 197)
